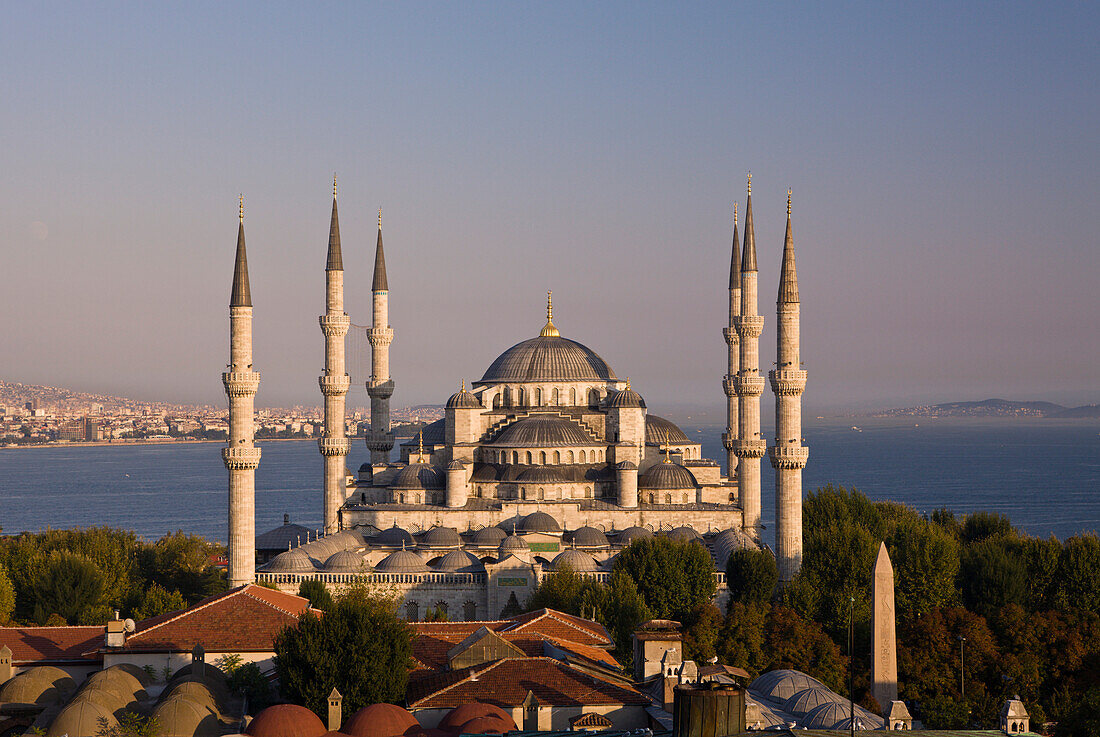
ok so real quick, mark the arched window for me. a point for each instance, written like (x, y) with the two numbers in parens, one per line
(542, 495)
(521, 397)
(569, 456)
(441, 609)
(469, 611)
(538, 396)
(668, 498)
(573, 396)
(496, 401)
(557, 457)
(588, 492)
(542, 457)
(733, 498)
(528, 458)
(506, 397)
(555, 396)
(651, 498)
(582, 456)
(593, 398)
(412, 611)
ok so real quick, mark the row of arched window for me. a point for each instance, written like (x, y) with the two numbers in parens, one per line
(540, 397)
(542, 457)
(441, 610)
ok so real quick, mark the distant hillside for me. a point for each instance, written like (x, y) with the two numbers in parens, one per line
(992, 408)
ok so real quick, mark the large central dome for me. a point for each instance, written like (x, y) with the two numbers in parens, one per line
(548, 358)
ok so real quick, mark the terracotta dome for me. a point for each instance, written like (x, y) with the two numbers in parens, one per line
(488, 725)
(381, 720)
(286, 720)
(180, 716)
(460, 715)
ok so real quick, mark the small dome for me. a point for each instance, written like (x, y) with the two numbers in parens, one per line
(344, 540)
(543, 431)
(488, 725)
(456, 466)
(82, 716)
(683, 534)
(630, 534)
(292, 561)
(626, 398)
(381, 720)
(463, 400)
(285, 720)
(394, 537)
(511, 525)
(441, 537)
(659, 431)
(589, 537)
(808, 699)
(539, 522)
(513, 544)
(661, 476)
(780, 685)
(826, 716)
(180, 716)
(726, 541)
(458, 560)
(460, 715)
(488, 537)
(366, 470)
(346, 561)
(541, 475)
(418, 476)
(626, 466)
(202, 692)
(575, 560)
(401, 561)
(42, 685)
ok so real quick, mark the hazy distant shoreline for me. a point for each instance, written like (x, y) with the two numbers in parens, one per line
(133, 443)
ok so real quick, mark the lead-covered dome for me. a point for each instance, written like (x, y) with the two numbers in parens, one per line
(401, 561)
(418, 476)
(543, 431)
(666, 476)
(627, 398)
(548, 358)
(575, 560)
(539, 522)
(441, 537)
(659, 431)
(463, 399)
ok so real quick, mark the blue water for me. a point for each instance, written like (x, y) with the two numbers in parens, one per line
(1044, 474)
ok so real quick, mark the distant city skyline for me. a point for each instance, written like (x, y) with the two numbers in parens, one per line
(945, 164)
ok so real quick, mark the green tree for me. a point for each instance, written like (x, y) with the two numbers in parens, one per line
(926, 564)
(741, 639)
(982, 525)
(992, 575)
(672, 577)
(946, 712)
(71, 586)
(751, 576)
(700, 632)
(248, 681)
(157, 600)
(560, 590)
(360, 646)
(130, 724)
(1078, 584)
(185, 563)
(793, 642)
(622, 611)
(317, 593)
(7, 596)
(1041, 559)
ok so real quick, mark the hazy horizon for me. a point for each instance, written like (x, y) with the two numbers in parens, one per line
(945, 162)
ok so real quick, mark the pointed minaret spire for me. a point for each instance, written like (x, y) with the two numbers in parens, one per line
(241, 295)
(335, 257)
(788, 276)
(748, 258)
(380, 284)
(733, 365)
(735, 259)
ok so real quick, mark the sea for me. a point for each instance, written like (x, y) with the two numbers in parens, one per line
(1043, 474)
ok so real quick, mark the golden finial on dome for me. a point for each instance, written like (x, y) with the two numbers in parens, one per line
(463, 388)
(420, 445)
(628, 383)
(241, 211)
(549, 331)
(667, 450)
(788, 202)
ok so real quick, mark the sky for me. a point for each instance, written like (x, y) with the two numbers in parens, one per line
(944, 159)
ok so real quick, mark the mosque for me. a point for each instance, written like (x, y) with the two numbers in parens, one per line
(549, 460)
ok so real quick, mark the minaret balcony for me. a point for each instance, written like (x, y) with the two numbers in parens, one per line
(749, 385)
(729, 440)
(241, 459)
(380, 441)
(729, 384)
(731, 336)
(334, 446)
(241, 383)
(335, 326)
(788, 381)
(334, 386)
(750, 448)
(380, 336)
(789, 457)
(381, 389)
(749, 326)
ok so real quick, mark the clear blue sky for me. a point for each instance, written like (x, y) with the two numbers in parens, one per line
(945, 160)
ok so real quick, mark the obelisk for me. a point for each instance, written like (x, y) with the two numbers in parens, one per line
(884, 654)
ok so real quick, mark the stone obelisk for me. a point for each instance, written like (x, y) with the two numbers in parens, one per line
(884, 658)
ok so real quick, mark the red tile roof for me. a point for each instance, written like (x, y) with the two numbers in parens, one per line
(45, 645)
(505, 683)
(562, 626)
(244, 619)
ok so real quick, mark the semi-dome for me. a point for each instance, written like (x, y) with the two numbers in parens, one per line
(511, 525)
(488, 536)
(292, 561)
(574, 560)
(627, 465)
(401, 561)
(627, 398)
(394, 536)
(541, 475)
(441, 537)
(780, 685)
(458, 560)
(663, 476)
(418, 476)
(543, 431)
(548, 358)
(285, 720)
(513, 544)
(589, 537)
(463, 399)
(683, 534)
(455, 466)
(659, 431)
(726, 541)
(381, 720)
(809, 699)
(539, 522)
(826, 716)
(345, 561)
(630, 534)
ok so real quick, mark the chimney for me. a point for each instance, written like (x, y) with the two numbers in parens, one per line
(116, 633)
(335, 711)
(198, 662)
(5, 663)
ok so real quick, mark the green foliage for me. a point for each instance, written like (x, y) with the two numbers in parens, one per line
(157, 600)
(248, 681)
(317, 593)
(70, 586)
(1083, 718)
(229, 663)
(435, 615)
(183, 563)
(925, 558)
(982, 525)
(700, 633)
(1078, 584)
(946, 712)
(992, 575)
(129, 725)
(7, 596)
(741, 640)
(794, 642)
(360, 646)
(751, 576)
(672, 577)
(621, 612)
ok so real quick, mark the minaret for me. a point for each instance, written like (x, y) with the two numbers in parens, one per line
(241, 456)
(788, 381)
(335, 382)
(380, 387)
(750, 446)
(733, 342)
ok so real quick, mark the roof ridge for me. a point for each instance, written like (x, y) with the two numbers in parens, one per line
(274, 606)
(547, 612)
(466, 679)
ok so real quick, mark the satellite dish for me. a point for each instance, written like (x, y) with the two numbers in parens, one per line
(129, 625)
